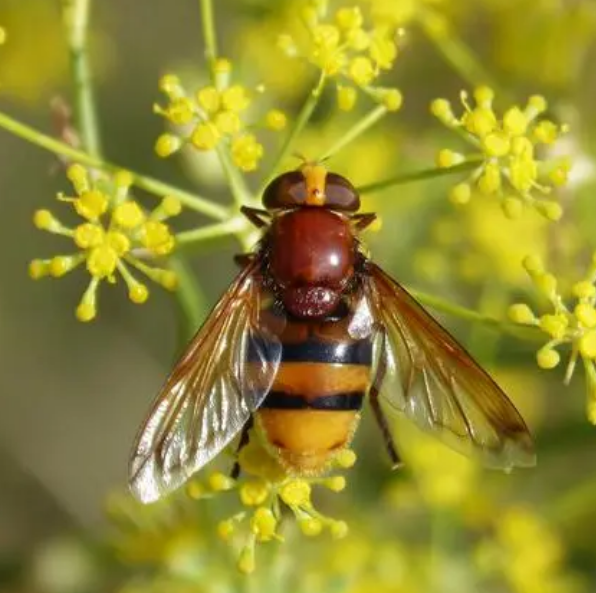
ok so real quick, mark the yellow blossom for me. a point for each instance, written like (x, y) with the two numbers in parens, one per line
(262, 486)
(114, 226)
(565, 324)
(246, 152)
(213, 117)
(346, 48)
(508, 166)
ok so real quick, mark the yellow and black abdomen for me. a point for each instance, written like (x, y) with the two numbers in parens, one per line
(313, 407)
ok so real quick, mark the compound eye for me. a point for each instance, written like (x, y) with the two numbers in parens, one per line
(340, 194)
(286, 191)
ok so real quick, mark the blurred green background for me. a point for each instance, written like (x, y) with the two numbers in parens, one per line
(72, 395)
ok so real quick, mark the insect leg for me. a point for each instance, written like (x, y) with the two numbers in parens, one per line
(241, 444)
(256, 216)
(362, 221)
(243, 259)
(373, 395)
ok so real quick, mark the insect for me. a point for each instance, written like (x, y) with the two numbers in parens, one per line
(309, 327)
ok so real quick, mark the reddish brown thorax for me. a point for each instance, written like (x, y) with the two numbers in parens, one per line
(311, 242)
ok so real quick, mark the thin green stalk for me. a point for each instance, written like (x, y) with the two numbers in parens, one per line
(430, 173)
(299, 123)
(356, 130)
(76, 18)
(240, 191)
(149, 184)
(212, 231)
(444, 306)
(209, 34)
(454, 50)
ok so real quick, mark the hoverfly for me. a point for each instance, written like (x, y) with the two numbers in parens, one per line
(308, 328)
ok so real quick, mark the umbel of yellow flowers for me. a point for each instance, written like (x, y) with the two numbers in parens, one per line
(115, 235)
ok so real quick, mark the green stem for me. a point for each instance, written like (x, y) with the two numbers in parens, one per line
(76, 18)
(454, 50)
(149, 184)
(209, 35)
(240, 191)
(430, 173)
(444, 306)
(213, 231)
(356, 130)
(299, 124)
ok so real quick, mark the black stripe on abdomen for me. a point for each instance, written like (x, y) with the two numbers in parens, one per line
(312, 350)
(280, 400)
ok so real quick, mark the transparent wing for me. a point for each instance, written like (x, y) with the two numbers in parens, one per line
(431, 379)
(223, 376)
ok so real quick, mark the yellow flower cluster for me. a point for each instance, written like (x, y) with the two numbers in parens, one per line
(263, 486)
(565, 325)
(526, 552)
(214, 117)
(343, 49)
(116, 231)
(505, 150)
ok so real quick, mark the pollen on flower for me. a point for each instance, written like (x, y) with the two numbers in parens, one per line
(214, 117)
(114, 227)
(564, 324)
(511, 165)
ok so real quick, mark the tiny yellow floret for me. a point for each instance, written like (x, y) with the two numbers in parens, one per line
(77, 174)
(584, 289)
(220, 482)
(460, 194)
(86, 312)
(254, 492)
(128, 215)
(171, 206)
(449, 158)
(209, 99)
(205, 136)
(335, 483)
(138, 293)
(361, 71)
(246, 152)
(339, 529)
(38, 269)
(587, 344)
(235, 98)
(276, 120)
(547, 358)
(264, 524)
(392, 99)
(521, 313)
(555, 325)
(296, 493)
(167, 144)
(310, 526)
(345, 458)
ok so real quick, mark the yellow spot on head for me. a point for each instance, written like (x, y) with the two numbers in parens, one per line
(314, 176)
